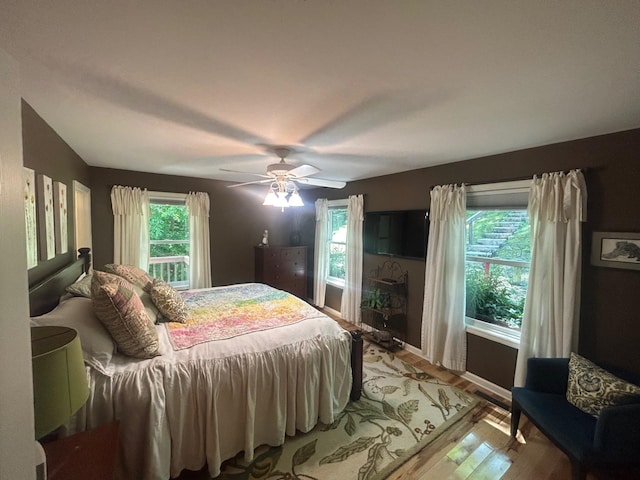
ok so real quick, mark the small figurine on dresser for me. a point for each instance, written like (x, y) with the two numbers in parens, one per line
(265, 239)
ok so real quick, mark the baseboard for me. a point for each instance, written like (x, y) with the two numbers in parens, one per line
(331, 311)
(497, 390)
(415, 350)
(501, 392)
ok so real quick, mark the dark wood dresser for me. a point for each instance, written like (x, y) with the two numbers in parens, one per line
(284, 268)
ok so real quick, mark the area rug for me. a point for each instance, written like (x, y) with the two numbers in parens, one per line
(402, 409)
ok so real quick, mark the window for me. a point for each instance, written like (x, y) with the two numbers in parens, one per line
(169, 238)
(498, 258)
(337, 242)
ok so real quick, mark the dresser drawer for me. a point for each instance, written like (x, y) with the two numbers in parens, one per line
(284, 268)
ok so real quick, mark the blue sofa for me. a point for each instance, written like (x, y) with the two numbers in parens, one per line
(610, 440)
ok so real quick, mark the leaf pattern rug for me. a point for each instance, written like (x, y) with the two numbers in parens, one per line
(401, 410)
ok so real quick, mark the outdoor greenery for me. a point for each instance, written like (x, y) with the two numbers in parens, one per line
(490, 297)
(169, 222)
(337, 242)
(169, 237)
(494, 292)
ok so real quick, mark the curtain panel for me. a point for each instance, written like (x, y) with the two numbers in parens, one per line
(320, 254)
(199, 249)
(557, 206)
(352, 293)
(443, 323)
(130, 208)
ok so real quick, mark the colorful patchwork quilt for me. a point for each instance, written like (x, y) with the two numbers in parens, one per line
(226, 312)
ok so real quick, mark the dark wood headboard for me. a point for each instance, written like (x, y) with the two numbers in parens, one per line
(44, 296)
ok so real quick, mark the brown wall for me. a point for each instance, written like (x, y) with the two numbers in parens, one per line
(237, 219)
(609, 329)
(47, 153)
(491, 360)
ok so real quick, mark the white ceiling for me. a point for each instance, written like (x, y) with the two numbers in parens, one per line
(360, 87)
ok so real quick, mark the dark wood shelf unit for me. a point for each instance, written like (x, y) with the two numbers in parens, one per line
(284, 268)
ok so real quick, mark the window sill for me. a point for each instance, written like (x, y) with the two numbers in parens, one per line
(336, 282)
(494, 333)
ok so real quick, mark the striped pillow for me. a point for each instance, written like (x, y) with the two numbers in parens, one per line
(133, 274)
(121, 311)
(102, 278)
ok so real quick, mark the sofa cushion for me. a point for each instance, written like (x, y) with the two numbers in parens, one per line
(592, 388)
(569, 427)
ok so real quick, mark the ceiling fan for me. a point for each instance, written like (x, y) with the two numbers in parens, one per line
(284, 179)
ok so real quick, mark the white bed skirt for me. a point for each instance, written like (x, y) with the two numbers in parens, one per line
(210, 402)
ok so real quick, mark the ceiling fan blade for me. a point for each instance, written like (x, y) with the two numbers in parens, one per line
(303, 171)
(319, 182)
(249, 183)
(371, 113)
(244, 173)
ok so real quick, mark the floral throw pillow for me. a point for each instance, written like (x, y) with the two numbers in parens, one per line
(592, 388)
(168, 301)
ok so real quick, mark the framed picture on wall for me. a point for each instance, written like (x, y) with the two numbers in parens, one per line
(616, 250)
(46, 234)
(60, 216)
(30, 220)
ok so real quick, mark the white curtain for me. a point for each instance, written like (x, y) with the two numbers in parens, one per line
(352, 293)
(130, 226)
(199, 251)
(443, 329)
(320, 254)
(557, 205)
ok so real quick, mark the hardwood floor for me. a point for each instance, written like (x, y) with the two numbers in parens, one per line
(479, 447)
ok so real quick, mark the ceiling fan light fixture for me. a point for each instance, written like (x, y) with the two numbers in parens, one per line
(295, 200)
(271, 199)
(281, 200)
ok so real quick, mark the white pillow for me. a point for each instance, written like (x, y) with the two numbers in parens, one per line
(98, 346)
(81, 287)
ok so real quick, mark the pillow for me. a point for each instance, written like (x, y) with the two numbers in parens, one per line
(121, 311)
(135, 275)
(169, 302)
(82, 286)
(77, 313)
(102, 278)
(592, 388)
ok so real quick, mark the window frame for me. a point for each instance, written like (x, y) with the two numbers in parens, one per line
(341, 204)
(497, 333)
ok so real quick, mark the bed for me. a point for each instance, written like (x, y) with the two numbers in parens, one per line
(205, 400)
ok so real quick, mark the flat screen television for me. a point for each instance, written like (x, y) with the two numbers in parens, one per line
(402, 233)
